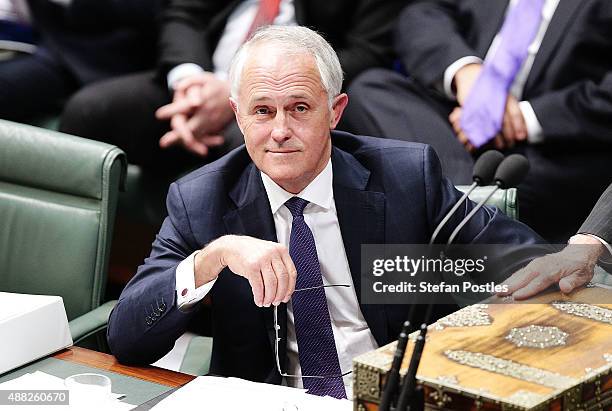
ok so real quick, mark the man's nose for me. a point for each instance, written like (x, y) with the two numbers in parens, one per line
(280, 127)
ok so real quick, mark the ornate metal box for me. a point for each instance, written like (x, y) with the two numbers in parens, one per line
(554, 353)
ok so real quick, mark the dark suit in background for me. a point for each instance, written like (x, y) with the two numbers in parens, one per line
(569, 87)
(84, 42)
(122, 111)
(395, 191)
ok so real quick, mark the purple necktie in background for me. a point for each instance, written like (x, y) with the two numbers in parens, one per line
(484, 107)
(313, 330)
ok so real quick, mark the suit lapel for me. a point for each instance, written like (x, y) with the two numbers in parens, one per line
(361, 215)
(253, 217)
(554, 33)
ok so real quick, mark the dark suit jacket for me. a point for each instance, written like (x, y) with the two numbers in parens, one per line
(570, 83)
(359, 30)
(97, 39)
(599, 222)
(385, 191)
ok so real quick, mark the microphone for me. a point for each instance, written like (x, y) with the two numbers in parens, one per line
(510, 173)
(393, 378)
(484, 170)
(406, 399)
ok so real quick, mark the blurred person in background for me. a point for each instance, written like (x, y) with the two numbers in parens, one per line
(527, 76)
(79, 42)
(179, 115)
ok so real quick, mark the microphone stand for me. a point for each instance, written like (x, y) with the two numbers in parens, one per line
(452, 211)
(471, 214)
(393, 377)
(408, 401)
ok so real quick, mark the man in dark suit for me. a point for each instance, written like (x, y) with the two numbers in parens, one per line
(198, 40)
(79, 42)
(288, 212)
(558, 102)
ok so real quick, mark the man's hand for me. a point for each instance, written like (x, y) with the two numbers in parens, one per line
(199, 111)
(265, 264)
(514, 128)
(464, 80)
(455, 120)
(570, 268)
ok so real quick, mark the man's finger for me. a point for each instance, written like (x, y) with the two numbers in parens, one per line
(194, 95)
(169, 139)
(283, 279)
(257, 286)
(538, 284)
(518, 280)
(291, 272)
(270, 284)
(181, 106)
(193, 80)
(573, 281)
(498, 142)
(517, 120)
(508, 128)
(181, 128)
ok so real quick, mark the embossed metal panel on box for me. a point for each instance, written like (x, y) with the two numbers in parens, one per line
(552, 354)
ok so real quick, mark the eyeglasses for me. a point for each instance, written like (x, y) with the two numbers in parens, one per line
(277, 339)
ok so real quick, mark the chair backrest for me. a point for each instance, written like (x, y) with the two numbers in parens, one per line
(505, 200)
(58, 195)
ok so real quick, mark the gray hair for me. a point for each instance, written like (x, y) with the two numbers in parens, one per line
(294, 40)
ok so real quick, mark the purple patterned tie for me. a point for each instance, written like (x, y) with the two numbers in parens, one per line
(484, 107)
(313, 330)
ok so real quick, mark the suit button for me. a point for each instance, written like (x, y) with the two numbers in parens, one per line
(162, 307)
(155, 314)
(148, 320)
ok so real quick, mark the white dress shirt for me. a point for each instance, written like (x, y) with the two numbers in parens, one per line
(234, 34)
(351, 332)
(534, 129)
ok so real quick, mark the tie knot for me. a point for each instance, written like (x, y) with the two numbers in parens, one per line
(296, 205)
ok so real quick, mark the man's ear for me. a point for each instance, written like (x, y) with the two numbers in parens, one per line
(338, 106)
(234, 105)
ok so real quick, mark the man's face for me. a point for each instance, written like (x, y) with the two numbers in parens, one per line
(283, 112)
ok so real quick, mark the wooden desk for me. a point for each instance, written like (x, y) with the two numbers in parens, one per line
(108, 362)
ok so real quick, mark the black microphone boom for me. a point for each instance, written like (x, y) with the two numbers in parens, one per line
(484, 170)
(393, 377)
(406, 398)
(509, 174)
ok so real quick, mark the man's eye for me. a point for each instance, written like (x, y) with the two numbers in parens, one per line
(301, 108)
(261, 110)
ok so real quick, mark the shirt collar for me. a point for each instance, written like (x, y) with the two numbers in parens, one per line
(319, 191)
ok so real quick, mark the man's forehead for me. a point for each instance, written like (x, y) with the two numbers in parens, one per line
(278, 63)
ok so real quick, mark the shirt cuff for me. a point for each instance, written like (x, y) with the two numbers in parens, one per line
(534, 128)
(186, 293)
(181, 71)
(601, 240)
(449, 73)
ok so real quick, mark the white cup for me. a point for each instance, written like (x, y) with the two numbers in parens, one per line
(88, 388)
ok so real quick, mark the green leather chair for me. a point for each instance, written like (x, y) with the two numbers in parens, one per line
(58, 195)
(505, 200)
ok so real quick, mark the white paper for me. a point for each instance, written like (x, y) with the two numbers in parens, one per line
(218, 393)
